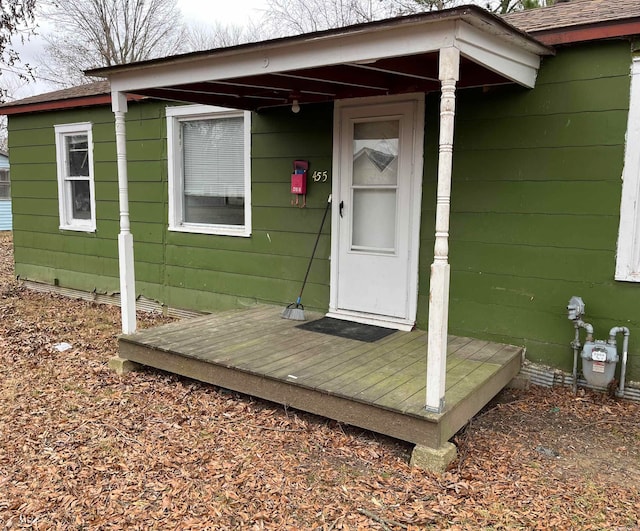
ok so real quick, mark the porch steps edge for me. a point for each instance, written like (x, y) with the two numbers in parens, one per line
(419, 430)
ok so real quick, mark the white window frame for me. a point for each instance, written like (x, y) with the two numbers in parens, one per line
(6, 182)
(628, 255)
(175, 115)
(67, 222)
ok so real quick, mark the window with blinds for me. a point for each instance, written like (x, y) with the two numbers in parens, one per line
(213, 166)
(208, 170)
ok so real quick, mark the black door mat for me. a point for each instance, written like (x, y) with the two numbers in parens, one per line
(347, 329)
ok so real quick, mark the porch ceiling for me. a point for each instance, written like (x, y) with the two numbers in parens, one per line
(388, 57)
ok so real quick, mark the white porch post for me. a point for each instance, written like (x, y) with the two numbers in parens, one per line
(439, 283)
(125, 238)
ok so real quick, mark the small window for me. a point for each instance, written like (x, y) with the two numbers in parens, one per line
(209, 170)
(76, 194)
(5, 185)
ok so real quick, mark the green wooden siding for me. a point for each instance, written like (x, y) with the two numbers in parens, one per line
(270, 265)
(89, 260)
(535, 206)
(534, 219)
(180, 269)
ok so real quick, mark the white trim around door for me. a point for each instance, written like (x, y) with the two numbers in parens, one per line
(377, 191)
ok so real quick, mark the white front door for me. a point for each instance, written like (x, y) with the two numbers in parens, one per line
(376, 198)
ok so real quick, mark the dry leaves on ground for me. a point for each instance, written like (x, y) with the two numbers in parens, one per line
(82, 448)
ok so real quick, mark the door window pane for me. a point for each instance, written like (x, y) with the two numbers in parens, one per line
(374, 220)
(375, 152)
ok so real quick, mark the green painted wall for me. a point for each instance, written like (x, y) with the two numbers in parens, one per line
(89, 260)
(271, 264)
(535, 208)
(182, 270)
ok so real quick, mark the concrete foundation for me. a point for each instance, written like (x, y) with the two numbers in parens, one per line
(520, 382)
(122, 366)
(433, 459)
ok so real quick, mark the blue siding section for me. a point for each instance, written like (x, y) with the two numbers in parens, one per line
(5, 215)
(5, 204)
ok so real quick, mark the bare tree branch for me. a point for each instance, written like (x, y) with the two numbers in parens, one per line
(17, 20)
(403, 7)
(198, 36)
(286, 17)
(90, 33)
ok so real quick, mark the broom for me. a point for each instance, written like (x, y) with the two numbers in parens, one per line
(295, 310)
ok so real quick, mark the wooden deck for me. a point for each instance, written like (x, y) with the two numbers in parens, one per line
(377, 386)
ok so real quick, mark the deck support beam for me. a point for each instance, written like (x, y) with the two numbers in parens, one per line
(125, 238)
(449, 72)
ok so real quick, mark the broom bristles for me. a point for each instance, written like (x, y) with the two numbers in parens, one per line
(294, 313)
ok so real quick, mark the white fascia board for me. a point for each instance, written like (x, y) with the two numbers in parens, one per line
(323, 51)
(498, 55)
(514, 37)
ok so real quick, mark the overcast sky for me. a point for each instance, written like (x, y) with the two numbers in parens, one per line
(227, 11)
(237, 12)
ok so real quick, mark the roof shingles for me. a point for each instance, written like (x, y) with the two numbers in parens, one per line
(96, 88)
(574, 13)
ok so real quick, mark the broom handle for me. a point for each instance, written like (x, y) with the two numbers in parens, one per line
(306, 275)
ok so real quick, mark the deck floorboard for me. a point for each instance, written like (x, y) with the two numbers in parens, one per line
(379, 386)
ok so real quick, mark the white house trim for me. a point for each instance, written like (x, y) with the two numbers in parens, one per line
(67, 222)
(628, 256)
(340, 49)
(468, 31)
(507, 53)
(125, 238)
(416, 201)
(488, 50)
(449, 72)
(176, 182)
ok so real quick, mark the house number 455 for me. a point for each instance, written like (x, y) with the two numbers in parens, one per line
(320, 176)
